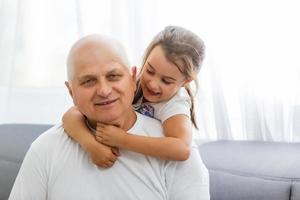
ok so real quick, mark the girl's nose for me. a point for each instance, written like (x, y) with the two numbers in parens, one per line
(153, 85)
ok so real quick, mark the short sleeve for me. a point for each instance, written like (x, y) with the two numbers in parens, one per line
(179, 104)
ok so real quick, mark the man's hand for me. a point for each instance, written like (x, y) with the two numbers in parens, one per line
(110, 135)
(102, 155)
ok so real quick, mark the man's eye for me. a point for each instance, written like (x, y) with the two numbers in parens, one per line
(113, 76)
(88, 82)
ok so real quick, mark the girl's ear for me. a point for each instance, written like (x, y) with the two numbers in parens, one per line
(187, 81)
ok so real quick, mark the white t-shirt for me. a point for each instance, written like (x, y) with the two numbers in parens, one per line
(56, 168)
(180, 103)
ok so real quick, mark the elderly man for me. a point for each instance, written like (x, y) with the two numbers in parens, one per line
(102, 87)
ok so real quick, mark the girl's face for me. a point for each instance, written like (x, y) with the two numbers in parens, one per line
(160, 79)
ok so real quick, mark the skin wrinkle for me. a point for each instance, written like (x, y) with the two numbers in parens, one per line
(91, 64)
(92, 41)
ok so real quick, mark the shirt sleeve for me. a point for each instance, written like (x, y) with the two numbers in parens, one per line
(31, 180)
(179, 104)
(190, 179)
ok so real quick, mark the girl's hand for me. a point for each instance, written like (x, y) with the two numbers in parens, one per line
(75, 126)
(110, 135)
(101, 155)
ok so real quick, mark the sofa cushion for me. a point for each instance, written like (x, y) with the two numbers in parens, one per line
(226, 186)
(295, 193)
(262, 159)
(252, 169)
(15, 140)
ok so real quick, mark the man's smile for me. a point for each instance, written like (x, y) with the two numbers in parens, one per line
(105, 103)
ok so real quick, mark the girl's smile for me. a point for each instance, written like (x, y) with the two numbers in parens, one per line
(160, 78)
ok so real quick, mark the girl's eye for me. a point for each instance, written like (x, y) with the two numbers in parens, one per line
(166, 82)
(150, 72)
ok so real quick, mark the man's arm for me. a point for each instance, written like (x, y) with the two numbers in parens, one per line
(31, 182)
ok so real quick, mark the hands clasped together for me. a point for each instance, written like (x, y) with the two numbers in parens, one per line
(105, 151)
(110, 135)
(102, 147)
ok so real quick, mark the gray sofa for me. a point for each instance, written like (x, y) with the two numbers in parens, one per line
(252, 170)
(238, 170)
(15, 140)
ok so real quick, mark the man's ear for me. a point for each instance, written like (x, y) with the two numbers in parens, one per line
(133, 72)
(133, 76)
(69, 88)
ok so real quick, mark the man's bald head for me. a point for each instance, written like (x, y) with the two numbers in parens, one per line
(100, 82)
(94, 47)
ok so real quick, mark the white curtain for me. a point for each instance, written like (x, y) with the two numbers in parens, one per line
(249, 84)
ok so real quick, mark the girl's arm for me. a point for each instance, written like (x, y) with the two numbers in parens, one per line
(175, 146)
(75, 126)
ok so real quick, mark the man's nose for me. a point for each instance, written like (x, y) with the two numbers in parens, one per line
(104, 89)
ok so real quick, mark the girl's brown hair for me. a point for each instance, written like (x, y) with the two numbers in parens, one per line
(184, 49)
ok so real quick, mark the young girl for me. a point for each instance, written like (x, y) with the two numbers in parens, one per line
(171, 61)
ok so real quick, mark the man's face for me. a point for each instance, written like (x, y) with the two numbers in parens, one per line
(102, 88)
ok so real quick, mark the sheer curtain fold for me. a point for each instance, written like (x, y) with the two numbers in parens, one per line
(249, 83)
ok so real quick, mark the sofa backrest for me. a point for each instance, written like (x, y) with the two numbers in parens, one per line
(15, 140)
(252, 169)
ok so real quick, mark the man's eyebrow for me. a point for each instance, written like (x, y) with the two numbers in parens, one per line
(113, 71)
(84, 77)
(166, 77)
